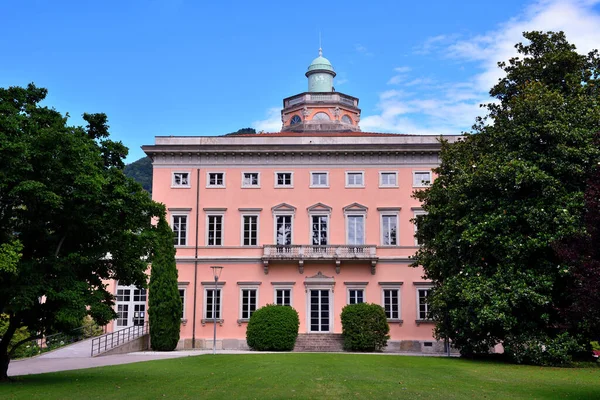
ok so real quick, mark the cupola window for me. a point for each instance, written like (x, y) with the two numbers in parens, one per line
(295, 120)
(321, 116)
(346, 119)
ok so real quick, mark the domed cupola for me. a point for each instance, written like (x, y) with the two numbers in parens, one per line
(320, 74)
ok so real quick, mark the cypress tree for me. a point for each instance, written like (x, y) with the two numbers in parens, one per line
(164, 308)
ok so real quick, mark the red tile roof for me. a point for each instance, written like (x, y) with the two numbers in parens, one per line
(314, 134)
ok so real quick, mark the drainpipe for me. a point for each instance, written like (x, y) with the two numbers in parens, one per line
(196, 257)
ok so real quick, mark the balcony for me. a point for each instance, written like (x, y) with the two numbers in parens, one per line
(336, 253)
(312, 98)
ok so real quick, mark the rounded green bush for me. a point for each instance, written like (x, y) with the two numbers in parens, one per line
(364, 327)
(273, 328)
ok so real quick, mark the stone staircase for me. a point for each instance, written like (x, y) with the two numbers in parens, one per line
(322, 342)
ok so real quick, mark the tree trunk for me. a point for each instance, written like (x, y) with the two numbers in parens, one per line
(4, 361)
(4, 357)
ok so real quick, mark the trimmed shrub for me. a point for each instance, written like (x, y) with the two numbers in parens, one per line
(164, 303)
(364, 327)
(273, 328)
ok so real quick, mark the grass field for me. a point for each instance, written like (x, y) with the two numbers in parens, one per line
(310, 376)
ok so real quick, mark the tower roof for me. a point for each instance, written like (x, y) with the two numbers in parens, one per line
(320, 63)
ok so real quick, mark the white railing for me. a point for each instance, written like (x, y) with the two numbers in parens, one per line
(331, 252)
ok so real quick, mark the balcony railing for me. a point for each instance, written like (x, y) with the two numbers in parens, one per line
(320, 97)
(337, 253)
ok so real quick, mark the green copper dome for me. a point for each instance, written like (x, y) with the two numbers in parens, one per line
(320, 63)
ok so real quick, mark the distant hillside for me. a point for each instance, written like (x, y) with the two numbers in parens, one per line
(141, 172)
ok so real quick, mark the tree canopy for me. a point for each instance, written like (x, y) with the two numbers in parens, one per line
(70, 220)
(503, 196)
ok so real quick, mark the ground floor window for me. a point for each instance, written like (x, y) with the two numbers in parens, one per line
(423, 303)
(213, 297)
(391, 303)
(249, 300)
(283, 297)
(356, 296)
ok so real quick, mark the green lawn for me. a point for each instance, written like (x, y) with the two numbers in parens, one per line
(310, 376)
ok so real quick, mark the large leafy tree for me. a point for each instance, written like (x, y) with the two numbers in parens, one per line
(503, 195)
(69, 219)
(164, 303)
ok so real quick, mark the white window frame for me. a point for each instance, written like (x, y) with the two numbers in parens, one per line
(174, 185)
(312, 214)
(278, 186)
(415, 213)
(247, 286)
(422, 184)
(218, 310)
(356, 286)
(257, 229)
(289, 287)
(326, 185)
(246, 186)
(207, 228)
(183, 286)
(354, 185)
(282, 214)
(187, 224)
(420, 287)
(387, 185)
(392, 286)
(385, 213)
(362, 214)
(209, 186)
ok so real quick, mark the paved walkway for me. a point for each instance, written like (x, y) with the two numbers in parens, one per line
(81, 349)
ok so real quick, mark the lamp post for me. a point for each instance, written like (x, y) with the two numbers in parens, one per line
(216, 273)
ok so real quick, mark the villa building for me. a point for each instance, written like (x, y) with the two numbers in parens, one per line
(316, 216)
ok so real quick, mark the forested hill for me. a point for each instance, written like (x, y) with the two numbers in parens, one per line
(141, 170)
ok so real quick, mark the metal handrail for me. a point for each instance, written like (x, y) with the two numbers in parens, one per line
(111, 340)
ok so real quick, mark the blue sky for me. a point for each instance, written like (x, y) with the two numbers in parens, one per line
(185, 67)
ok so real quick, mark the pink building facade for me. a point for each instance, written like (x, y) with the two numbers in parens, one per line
(316, 217)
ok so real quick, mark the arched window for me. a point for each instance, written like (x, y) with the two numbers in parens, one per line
(346, 119)
(295, 120)
(321, 116)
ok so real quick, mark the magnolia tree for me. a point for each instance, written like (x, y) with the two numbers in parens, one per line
(69, 219)
(504, 195)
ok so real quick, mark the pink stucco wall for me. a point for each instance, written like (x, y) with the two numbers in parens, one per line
(391, 267)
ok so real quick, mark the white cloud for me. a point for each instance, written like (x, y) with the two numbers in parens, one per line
(451, 107)
(362, 50)
(272, 123)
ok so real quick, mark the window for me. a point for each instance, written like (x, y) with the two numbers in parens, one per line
(389, 230)
(139, 313)
(139, 295)
(215, 179)
(355, 179)
(321, 116)
(295, 120)
(416, 214)
(250, 230)
(319, 179)
(283, 297)
(123, 295)
(283, 230)
(250, 179)
(179, 230)
(122, 314)
(421, 178)
(356, 296)
(181, 179)
(391, 303)
(182, 296)
(346, 119)
(215, 230)
(283, 179)
(212, 299)
(422, 303)
(319, 229)
(249, 301)
(356, 229)
(388, 179)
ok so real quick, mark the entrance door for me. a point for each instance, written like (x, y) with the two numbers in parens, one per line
(319, 310)
(131, 306)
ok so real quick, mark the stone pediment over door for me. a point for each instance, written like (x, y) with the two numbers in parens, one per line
(319, 207)
(319, 280)
(355, 207)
